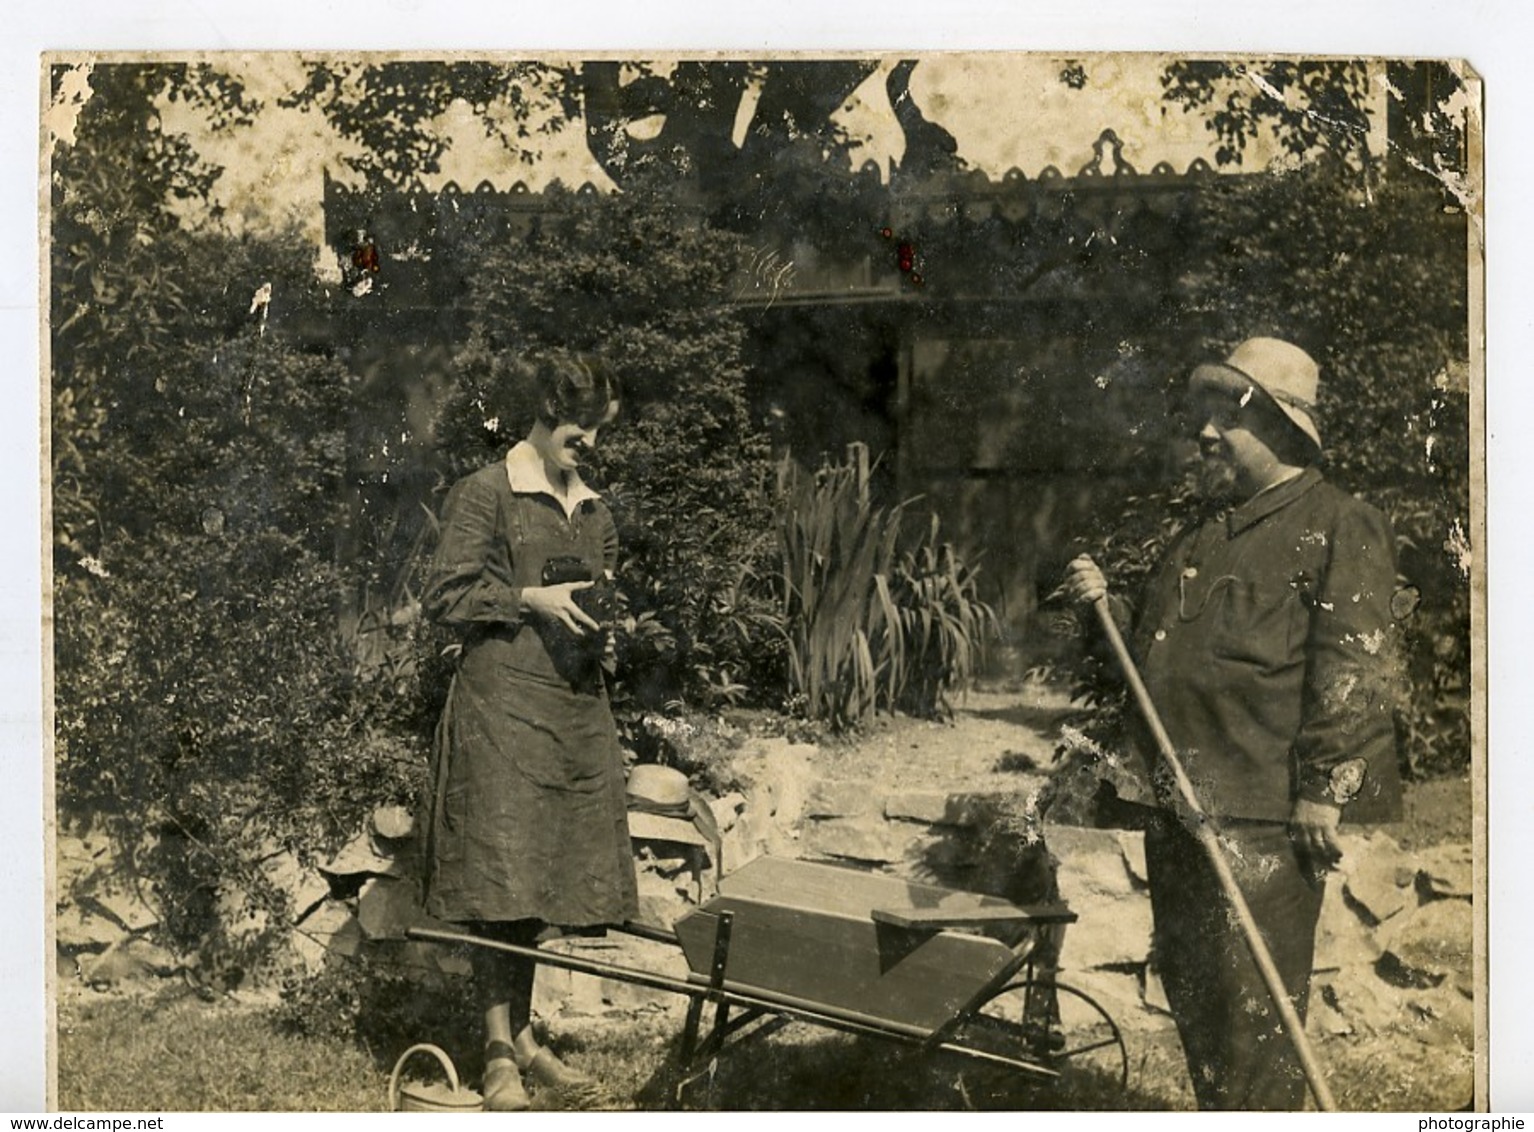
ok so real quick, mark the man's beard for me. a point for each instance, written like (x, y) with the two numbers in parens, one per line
(1213, 479)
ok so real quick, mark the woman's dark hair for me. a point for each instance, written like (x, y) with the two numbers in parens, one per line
(573, 388)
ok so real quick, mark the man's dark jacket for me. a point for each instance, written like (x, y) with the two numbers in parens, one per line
(1267, 643)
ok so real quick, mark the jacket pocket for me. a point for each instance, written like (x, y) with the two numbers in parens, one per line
(1257, 624)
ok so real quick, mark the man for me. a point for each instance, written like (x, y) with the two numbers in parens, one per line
(1265, 642)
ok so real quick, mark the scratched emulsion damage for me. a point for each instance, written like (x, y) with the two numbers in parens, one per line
(1462, 104)
(1074, 741)
(1458, 547)
(1458, 184)
(767, 271)
(1372, 642)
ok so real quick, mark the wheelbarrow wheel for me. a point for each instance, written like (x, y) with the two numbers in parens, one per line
(1053, 1025)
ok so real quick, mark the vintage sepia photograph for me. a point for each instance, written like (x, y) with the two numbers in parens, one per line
(837, 581)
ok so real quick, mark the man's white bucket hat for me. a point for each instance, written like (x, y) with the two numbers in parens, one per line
(1284, 373)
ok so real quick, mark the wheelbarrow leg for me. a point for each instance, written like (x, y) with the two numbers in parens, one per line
(690, 1046)
(688, 1052)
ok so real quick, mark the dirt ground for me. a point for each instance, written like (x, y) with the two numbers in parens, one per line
(993, 736)
(1001, 732)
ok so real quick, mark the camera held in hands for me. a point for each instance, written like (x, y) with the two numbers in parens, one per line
(578, 656)
(596, 601)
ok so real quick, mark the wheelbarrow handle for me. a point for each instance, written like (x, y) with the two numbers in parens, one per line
(1204, 830)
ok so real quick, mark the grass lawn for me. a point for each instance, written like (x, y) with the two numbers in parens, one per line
(175, 1052)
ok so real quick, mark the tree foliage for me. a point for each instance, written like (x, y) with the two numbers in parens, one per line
(392, 109)
(1305, 106)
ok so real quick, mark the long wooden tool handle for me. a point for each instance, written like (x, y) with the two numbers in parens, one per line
(1204, 829)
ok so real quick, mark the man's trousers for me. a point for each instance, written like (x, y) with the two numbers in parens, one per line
(1239, 1055)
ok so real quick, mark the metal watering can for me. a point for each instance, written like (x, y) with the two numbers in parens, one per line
(414, 1096)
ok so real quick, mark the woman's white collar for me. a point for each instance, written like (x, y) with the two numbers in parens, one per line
(525, 472)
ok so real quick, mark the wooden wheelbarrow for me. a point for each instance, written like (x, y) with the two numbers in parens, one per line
(959, 975)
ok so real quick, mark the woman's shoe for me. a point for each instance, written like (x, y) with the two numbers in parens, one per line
(502, 1090)
(547, 1070)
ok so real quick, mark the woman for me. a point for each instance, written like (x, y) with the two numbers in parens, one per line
(528, 826)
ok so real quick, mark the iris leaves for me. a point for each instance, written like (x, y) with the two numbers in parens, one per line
(875, 621)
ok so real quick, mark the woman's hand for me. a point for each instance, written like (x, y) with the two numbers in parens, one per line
(1084, 581)
(556, 603)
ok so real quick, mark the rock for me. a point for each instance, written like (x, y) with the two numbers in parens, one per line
(1433, 944)
(1132, 845)
(1323, 1017)
(361, 857)
(331, 929)
(936, 807)
(620, 996)
(424, 962)
(1153, 993)
(943, 848)
(239, 916)
(659, 902)
(303, 888)
(452, 962)
(76, 858)
(1369, 1005)
(1114, 916)
(393, 823)
(1095, 857)
(727, 810)
(1108, 937)
(130, 961)
(1446, 872)
(868, 839)
(836, 798)
(740, 843)
(387, 906)
(1376, 875)
(1343, 938)
(1117, 992)
(663, 857)
(556, 993)
(776, 777)
(1441, 1017)
(76, 929)
(788, 773)
(929, 806)
(122, 902)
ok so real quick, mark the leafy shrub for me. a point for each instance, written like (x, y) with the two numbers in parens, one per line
(383, 1007)
(207, 711)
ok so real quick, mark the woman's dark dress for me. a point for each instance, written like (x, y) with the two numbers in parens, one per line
(528, 817)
